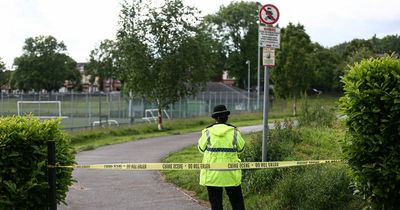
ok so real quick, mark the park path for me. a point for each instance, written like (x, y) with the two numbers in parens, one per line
(108, 189)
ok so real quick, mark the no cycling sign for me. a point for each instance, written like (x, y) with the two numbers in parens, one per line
(268, 14)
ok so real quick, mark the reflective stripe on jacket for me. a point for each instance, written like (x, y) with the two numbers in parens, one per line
(220, 143)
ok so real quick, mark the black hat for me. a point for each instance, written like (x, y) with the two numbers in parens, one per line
(219, 110)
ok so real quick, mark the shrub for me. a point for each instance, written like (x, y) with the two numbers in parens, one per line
(23, 162)
(372, 147)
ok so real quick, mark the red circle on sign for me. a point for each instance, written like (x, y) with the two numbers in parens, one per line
(264, 9)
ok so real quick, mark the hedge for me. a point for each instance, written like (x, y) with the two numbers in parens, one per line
(23, 162)
(372, 148)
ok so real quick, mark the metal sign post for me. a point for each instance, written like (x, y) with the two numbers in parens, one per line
(258, 75)
(268, 37)
(265, 110)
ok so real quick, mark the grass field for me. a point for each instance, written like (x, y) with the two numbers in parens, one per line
(92, 138)
(81, 110)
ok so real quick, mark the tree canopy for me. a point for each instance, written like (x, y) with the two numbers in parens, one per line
(235, 28)
(44, 65)
(5, 75)
(294, 66)
(102, 63)
(2, 65)
(162, 54)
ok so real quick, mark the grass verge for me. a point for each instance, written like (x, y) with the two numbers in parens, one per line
(305, 187)
(91, 139)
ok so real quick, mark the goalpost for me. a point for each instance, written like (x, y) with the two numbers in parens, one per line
(39, 107)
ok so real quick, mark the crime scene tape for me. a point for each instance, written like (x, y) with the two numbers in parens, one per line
(198, 166)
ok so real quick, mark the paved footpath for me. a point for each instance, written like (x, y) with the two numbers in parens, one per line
(107, 189)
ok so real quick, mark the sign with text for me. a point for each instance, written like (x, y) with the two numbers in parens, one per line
(269, 37)
(268, 56)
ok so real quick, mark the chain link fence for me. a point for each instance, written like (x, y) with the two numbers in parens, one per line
(86, 110)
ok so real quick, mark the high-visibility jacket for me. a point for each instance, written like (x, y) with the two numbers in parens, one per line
(220, 143)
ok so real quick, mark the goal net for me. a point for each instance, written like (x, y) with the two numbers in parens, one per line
(40, 109)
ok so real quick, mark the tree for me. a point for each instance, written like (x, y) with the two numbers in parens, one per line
(162, 54)
(5, 78)
(2, 65)
(5, 75)
(102, 63)
(389, 44)
(235, 27)
(294, 66)
(371, 148)
(326, 64)
(350, 53)
(44, 65)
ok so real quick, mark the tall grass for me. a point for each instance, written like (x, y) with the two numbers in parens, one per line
(306, 187)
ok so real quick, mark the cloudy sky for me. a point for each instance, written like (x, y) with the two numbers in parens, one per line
(83, 24)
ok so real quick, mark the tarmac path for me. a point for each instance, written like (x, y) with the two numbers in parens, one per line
(108, 189)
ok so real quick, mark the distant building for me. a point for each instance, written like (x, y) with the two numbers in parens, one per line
(88, 87)
(227, 79)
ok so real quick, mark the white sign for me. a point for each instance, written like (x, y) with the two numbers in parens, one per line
(268, 14)
(268, 56)
(269, 37)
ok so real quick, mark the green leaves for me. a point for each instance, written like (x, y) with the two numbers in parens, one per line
(23, 162)
(44, 65)
(162, 55)
(2, 65)
(294, 68)
(234, 27)
(371, 103)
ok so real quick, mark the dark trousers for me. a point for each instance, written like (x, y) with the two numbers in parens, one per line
(234, 194)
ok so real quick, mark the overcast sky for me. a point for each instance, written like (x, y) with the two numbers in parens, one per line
(83, 24)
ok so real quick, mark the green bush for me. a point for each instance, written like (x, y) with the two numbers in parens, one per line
(372, 147)
(23, 162)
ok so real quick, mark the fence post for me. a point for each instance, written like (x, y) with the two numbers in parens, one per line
(51, 171)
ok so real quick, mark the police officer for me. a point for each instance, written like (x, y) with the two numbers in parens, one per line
(221, 143)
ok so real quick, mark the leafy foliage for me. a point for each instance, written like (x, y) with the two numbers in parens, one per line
(294, 66)
(44, 65)
(2, 65)
(23, 162)
(162, 56)
(372, 106)
(235, 28)
(5, 76)
(102, 63)
(326, 65)
(294, 69)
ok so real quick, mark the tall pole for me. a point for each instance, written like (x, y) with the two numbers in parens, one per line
(258, 70)
(248, 85)
(265, 109)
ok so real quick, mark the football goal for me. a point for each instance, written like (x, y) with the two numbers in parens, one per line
(152, 114)
(40, 109)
